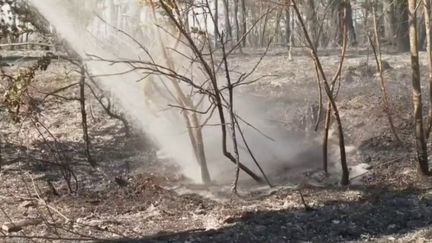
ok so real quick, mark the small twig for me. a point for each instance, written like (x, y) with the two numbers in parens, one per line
(43, 202)
(107, 108)
(192, 110)
(53, 93)
(306, 206)
(251, 153)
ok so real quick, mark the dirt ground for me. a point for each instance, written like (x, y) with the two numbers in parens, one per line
(134, 197)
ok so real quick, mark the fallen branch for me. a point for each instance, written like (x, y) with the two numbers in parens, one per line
(26, 44)
(19, 225)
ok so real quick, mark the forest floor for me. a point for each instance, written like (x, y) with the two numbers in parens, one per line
(133, 197)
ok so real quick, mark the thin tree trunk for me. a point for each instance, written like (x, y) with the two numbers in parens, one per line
(389, 21)
(291, 36)
(427, 19)
(403, 40)
(264, 29)
(329, 93)
(1, 152)
(236, 21)
(311, 20)
(197, 142)
(378, 58)
(343, 21)
(192, 121)
(278, 20)
(421, 30)
(84, 118)
(232, 121)
(287, 23)
(365, 23)
(421, 147)
(337, 16)
(228, 27)
(216, 23)
(350, 24)
(237, 24)
(217, 96)
(186, 19)
(243, 21)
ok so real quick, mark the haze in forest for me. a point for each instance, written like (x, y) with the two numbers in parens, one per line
(89, 30)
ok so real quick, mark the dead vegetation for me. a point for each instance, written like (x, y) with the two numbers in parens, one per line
(75, 167)
(131, 197)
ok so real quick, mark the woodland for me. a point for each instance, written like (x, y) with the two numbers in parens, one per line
(215, 121)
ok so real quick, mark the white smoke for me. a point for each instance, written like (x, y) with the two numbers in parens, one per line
(84, 25)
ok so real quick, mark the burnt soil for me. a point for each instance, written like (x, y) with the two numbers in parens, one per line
(132, 196)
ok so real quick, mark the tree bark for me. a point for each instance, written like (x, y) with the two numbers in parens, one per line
(228, 28)
(389, 21)
(329, 92)
(1, 152)
(287, 23)
(291, 35)
(350, 24)
(427, 19)
(421, 30)
(243, 20)
(376, 48)
(278, 21)
(216, 23)
(236, 20)
(402, 35)
(311, 20)
(84, 124)
(421, 147)
(264, 29)
(338, 20)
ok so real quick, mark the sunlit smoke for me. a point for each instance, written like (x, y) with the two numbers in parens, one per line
(92, 28)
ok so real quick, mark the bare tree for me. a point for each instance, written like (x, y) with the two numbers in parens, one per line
(216, 94)
(84, 123)
(421, 147)
(329, 89)
(236, 19)
(216, 22)
(209, 87)
(427, 18)
(311, 20)
(376, 47)
(287, 23)
(350, 23)
(243, 20)
(389, 21)
(228, 26)
(263, 34)
(402, 37)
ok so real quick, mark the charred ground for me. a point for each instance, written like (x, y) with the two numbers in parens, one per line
(135, 197)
